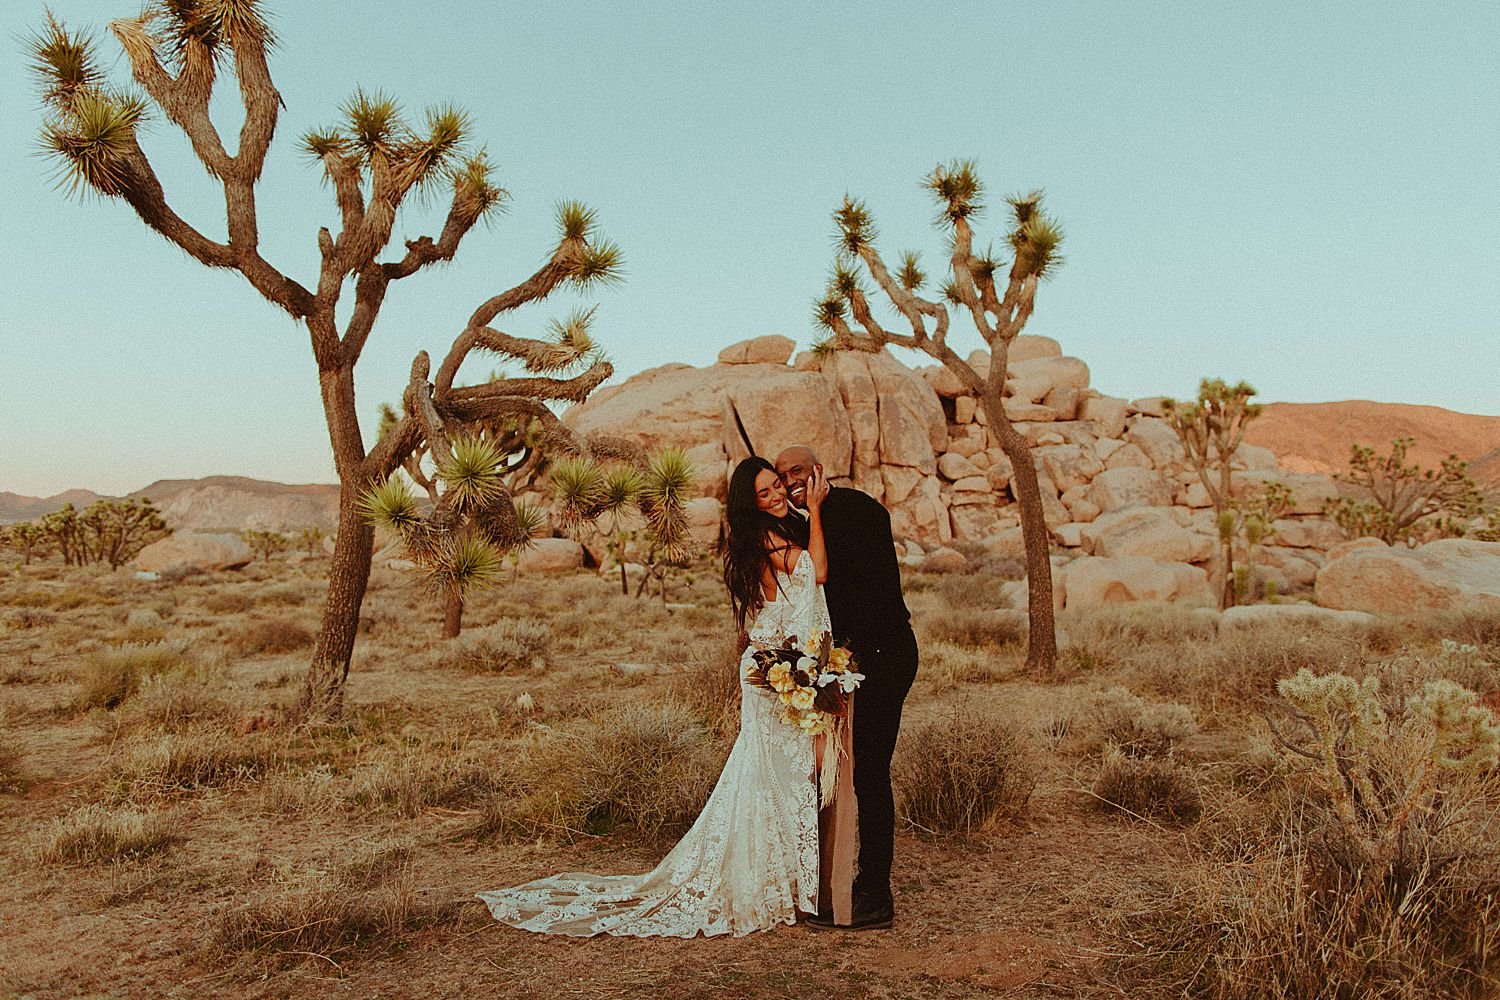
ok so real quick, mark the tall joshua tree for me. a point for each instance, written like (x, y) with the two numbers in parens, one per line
(997, 314)
(373, 159)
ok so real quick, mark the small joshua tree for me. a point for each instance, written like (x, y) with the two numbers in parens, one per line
(26, 539)
(1255, 518)
(605, 497)
(1405, 501)
(1211, 429)
(462, 539)
(117, 530)
(265, 544)
(373, 160)
(998, 313)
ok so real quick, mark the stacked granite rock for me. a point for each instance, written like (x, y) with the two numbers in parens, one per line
(1129, 519)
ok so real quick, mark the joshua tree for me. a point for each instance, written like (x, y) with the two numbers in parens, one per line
(1211, 429)
(310, 540)
(1405, 498)
(116, 530)
(373, 159)
(64, 531)
(588, 494)
(265, 544)
(26, 538)
(997, 314)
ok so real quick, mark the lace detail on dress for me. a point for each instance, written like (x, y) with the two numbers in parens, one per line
(750, 860)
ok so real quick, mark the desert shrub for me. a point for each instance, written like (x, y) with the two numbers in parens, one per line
(412, 778)
(184, 697)
(648, 767)
(978, 629)
(197, 758)
(1148, 786)
(710, 686)
(1469, 626)
(1140, 728)
(94, 833)
(946, 666)
(28, 618)
(324, 917)
(109, 677)
(30, 599)
(1382, 878)
(274, 635)
(185, 574)
(70, 598)
(10, 763)
(962, 774)
(227, 602)
(287, 594)
(509, 644)
(299, 793)
(139, 634)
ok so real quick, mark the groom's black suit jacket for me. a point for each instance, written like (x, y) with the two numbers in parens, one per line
(863, 589)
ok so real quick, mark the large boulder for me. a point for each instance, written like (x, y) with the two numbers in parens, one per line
(1106, 413)
(1448, 574)
(772, 349)
(1055, 372)
(704, 518)
(193, 550)
(1068, 465)
(1310, 491)
(1095, 580)
(671, 406)
(1145, 531)
(774, 408)
(1129, 487)
(551, 555)
(1158, 441)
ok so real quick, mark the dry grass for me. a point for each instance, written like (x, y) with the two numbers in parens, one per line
(199, 757)
(1148, 787)
(648, 767)
(96, 834)
(227, 602)
(978, 629)
(411, 778)
(275, 635)
(1139, 728)
(961, 775)
(507, 645)
(110, 677)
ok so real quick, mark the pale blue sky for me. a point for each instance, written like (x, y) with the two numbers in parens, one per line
(1302, 195)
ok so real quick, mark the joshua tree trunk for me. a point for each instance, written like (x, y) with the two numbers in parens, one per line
(453, 614)
(348, 575)
(1041, 647)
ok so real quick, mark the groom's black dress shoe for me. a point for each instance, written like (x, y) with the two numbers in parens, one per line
(867, 915)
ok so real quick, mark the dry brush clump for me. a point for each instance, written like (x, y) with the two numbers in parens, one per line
(975, 628)
(409, 779)
(1380, 877)
(196, 758)
(1139, 774)
(963, 774)
(369, 903)
(97, 834)
(108, 678)
(508, 645)
(272, 636)
(648, 767)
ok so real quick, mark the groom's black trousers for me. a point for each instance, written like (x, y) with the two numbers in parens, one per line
(889, 666)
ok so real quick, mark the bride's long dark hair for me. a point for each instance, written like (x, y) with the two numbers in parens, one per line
(751, 532)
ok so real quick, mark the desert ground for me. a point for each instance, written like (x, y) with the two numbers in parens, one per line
(169, 834)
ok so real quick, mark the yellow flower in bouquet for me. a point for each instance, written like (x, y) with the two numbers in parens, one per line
(803, 698)
(838, 660)
(780, 677)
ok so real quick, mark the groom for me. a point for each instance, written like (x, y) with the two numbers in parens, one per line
(869, 614)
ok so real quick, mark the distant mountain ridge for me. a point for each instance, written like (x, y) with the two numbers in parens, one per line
(214, 503)
(1315, 437)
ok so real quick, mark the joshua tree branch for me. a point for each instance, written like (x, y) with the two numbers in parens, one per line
(575, 389)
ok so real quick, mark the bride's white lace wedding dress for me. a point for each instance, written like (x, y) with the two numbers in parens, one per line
(750, 860)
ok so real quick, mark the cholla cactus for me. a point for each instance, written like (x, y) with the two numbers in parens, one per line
(1380, 771)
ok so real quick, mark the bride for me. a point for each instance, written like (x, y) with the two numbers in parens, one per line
(752, 858)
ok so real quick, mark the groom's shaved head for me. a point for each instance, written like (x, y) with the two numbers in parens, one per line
(795, 465)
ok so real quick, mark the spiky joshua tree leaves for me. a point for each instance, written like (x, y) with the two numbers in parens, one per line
(374, 157)
(1403, 501)
(622, 501)
(462, 537)
(997, 311)
(1211, 429)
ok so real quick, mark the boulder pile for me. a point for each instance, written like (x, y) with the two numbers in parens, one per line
(1127, 514)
